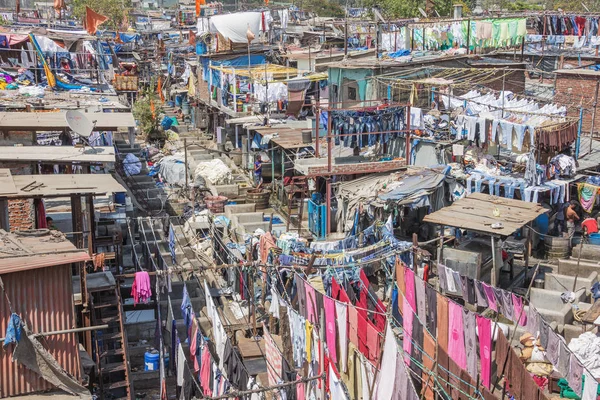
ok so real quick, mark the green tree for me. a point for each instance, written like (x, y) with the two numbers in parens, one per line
(115, 10)
(324, 8)
(410, 8)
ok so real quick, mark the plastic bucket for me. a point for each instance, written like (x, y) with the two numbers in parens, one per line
(119, 198)
(151, 360)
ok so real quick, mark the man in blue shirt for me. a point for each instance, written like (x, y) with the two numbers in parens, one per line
(258, 172)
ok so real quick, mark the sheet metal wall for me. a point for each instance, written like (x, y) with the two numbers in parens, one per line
(44, 299)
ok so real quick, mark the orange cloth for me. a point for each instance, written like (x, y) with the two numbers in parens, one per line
(59, 4)
(192, 37)
(93, 20)
(159, 89)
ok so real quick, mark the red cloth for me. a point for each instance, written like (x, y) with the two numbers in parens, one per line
(590, 224)
(362, 335)
(373, 342)
(364, 293)
(380, 318)
(93, 20)
(205, 372)
(40, 212)
(335, 289)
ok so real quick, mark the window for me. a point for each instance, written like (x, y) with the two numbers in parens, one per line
(351, 93)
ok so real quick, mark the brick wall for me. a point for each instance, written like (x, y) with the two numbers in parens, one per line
(572, 89)
(20, 212)
(359, 168)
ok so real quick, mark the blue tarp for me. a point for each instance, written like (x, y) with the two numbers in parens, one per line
(241, 62)
(399, 53)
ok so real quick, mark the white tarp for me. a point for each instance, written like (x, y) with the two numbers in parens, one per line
(234, 26)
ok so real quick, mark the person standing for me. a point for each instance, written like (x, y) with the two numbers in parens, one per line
(571, 217)
(258, 172)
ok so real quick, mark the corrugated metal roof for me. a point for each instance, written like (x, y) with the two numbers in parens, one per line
(21, 253)
(44, 300)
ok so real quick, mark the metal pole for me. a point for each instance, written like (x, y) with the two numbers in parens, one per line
(328, 211)
(346, 37)
(329, 118)
(187, 174)
(493, 280)
(468, 36)
(578, 142)
(62, 332)
(317, 128)
(594, 115)
(408, 135)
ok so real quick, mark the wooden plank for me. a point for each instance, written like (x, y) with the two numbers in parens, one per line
(472, 222)
(484, 209)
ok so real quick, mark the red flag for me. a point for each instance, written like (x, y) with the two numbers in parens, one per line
(93, 20)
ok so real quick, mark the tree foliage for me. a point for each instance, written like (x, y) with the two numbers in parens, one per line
(410, 8)
(115, 10)
(147, 118)
(324, 8)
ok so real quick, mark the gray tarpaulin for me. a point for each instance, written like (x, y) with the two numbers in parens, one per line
(401, 188)
(32, 355)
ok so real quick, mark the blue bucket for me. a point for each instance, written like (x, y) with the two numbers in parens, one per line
(151, 360)
(595, 239)
(119, 198)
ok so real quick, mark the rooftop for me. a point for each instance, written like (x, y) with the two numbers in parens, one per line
(48, 186)
(478, 212)
(56, 121)
(59, 154)
(36, 249)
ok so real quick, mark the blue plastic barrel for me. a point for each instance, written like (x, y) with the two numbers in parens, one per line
(151, 360)
(119, 198)
(595, 239)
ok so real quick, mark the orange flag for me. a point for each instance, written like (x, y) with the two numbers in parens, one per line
(198, 4)
(159, 89)
(93, 20)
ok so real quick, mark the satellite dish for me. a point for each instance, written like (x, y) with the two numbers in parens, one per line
(79, 123)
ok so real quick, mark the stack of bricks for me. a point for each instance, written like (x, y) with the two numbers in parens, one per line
(20, 211)
(20, 215)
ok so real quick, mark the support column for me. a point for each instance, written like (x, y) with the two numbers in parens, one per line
(77, 221)
(91, 223)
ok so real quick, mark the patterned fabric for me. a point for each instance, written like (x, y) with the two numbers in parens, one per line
(274, 359)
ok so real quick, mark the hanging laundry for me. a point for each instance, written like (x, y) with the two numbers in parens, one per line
(456, 339)
(341, 312)
(485, 349)
(387, 370)
(13, 330)
(330, 322)
(141, 289)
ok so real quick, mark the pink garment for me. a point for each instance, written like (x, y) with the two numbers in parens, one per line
(518, 305)
(456, 337)
(484, 328)
(491, 297)
(407, 318)
(205, 372)
(311, 303)
(140, 290)
(409, 282)
(299, 388)
(353, 325)
(329, 305)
